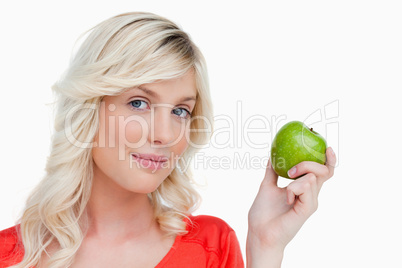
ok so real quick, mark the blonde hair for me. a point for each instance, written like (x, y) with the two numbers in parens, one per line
(124, 51)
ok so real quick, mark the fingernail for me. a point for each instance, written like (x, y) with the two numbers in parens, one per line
(331, 151)
(292, 171)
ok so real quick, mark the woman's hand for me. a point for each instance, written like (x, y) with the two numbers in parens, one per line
(277, 213)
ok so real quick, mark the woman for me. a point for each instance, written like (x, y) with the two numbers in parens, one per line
(133, 103)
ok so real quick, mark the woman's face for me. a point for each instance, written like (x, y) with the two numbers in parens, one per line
(151, 119)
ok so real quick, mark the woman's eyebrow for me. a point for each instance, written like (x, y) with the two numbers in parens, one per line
(155, 95)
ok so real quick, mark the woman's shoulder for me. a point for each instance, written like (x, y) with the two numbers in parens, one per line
(10, 245)
(210, 242)
(8, 239)
(209, 223)
(208, 230)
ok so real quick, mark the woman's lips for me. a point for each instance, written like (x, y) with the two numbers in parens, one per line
(153, 162)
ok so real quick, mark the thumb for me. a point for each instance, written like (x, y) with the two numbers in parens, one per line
(270, 176)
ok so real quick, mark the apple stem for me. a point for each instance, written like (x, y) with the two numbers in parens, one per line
(311, 129)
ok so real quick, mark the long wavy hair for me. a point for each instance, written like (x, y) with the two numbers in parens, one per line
(124, 51)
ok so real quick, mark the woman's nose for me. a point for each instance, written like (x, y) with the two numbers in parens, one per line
(163, 129)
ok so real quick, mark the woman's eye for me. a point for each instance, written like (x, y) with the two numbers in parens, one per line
(141, 105)
(181, 112)
(137, 104)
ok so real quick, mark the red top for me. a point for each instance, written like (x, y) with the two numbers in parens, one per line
(210, 242)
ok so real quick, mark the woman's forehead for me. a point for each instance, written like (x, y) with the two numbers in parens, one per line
(182, 88)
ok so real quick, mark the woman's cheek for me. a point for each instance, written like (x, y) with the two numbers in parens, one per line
(184, 141)
(133, 131)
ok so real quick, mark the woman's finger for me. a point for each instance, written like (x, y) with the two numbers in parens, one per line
(331, 161)
(323, 172)
(306, 190)
(270, 176)
(308, 167)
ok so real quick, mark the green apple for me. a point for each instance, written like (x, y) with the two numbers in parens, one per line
(295, 143)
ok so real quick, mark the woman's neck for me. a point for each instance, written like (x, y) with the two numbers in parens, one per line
(114, 212)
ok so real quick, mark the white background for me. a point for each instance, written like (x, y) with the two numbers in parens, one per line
(282, 58)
